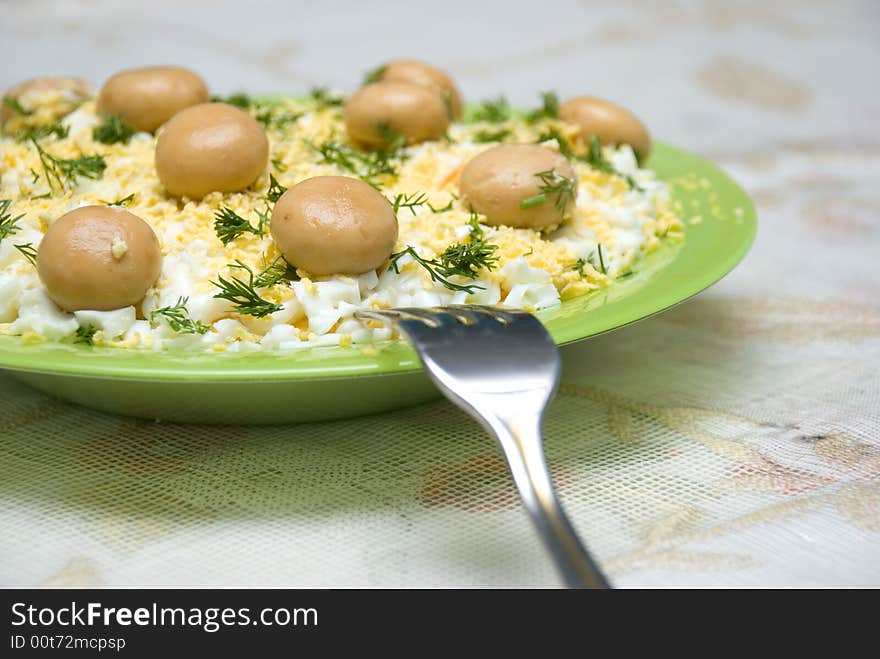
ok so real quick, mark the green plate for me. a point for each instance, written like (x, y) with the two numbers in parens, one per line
(335, 382)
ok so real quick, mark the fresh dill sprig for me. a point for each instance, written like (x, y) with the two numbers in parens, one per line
(278, 164)
(124, 201)
(493, 111)
(59, 130)
(393, 140)
(29, 252)
(552, 183)
(366, 165)
(553, 134)
(8, 224)
(264, 219)
(430, 266)
(596, 159)
(63, 172)
(476, 231)
(271, 118)
(239, 100)
(465, 259)
(243, 294)
(178, 318)
(446, 208)
(597, 255)
(229, 225)
(340, 155)
(601, 259)
(410, 201)
(549, 108)
(13, 104)
(275, 189)
(483, 136)
(374, 75)
(113, 131)
(323, 98)
(85, 334)
(276, 272)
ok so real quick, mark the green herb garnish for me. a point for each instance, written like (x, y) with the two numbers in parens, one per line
(443, 209)
(549, 108)
(595, 159)
(275, 189)
(270, 118)
(243, 295)
(59, 130)
(8, 224)
(29, 252)
(553, 134)
(229, 225)
(85, 334)
(493, 111)
(483, 136)
(374, 75)
(323, 98)
(366, 165)
(276, 272)
(178, 318)
(239, 100)
(120, 202)
(63, 172)
(601, 259)
(467, 259)
(476, 231)
(13, 104)
(551, 183)
(458, 259)
(113, 131)
(579, 266)
(410, 201)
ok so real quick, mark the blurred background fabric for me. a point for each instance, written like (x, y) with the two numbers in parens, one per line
(732, 441)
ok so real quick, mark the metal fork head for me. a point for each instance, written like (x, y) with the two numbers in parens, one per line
(479, 349)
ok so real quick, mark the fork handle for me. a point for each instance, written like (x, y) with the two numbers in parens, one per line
(521, 442)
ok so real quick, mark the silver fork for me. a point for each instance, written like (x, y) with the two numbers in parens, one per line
(501, 367)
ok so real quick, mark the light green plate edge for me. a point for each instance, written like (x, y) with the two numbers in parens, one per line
(149, 384)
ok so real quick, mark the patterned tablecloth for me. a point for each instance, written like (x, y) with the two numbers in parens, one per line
(732, 441)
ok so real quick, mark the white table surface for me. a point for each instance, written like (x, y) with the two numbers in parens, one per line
(733, 441)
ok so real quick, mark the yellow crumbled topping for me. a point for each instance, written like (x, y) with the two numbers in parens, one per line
(186, 232)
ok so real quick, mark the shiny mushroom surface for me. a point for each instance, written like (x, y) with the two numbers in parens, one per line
(334, 225)
(519, 185)
(146, 98)
(98, 258)
(377, 113)
(210, 147)
(425, 75)
(610, 123)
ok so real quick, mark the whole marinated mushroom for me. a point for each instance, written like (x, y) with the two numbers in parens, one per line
(147, 98)
(425, 75)
(98, 258)
(41, 101)
(610, 123)
(334, 225)
(210, 147)
(519, 185)
(378, 112)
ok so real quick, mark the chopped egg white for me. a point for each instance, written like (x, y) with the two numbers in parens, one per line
(534, 270)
